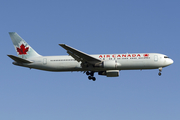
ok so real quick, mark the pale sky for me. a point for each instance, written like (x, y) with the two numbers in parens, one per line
(94, 27)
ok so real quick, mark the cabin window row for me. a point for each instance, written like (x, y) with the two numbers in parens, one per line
(64, 60)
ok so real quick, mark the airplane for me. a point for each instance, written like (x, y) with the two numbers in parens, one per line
(104, 64)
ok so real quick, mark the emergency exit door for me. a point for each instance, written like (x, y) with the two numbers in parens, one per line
(45, 61)
(155, 58)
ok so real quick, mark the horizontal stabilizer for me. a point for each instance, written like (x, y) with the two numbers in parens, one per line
(18, 59)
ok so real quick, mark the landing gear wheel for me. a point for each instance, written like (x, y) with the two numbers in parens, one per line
(89, 77)
(87, 73)
(159, 74)
(160, 70)
(94, 79)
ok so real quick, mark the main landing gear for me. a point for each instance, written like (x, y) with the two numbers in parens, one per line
(160, 70)
(91, 75)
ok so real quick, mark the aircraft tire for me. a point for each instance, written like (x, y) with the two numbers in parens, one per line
(93, 78)
(159, 74)
(89, 77)
(87, 73)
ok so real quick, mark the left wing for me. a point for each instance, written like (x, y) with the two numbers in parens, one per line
(80, 56)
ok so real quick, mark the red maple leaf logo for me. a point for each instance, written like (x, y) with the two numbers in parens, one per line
(146, 55)
(22, 50)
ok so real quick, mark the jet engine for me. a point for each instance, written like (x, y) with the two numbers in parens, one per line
(109, 73)
(109, 64)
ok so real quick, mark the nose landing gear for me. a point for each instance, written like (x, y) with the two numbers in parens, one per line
(160, 70)
(159, 73)
(91, 77)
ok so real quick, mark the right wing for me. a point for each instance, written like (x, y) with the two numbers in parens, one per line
(80, 56)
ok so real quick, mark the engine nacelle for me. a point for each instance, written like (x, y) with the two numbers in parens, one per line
(109, 73)
(109, 64)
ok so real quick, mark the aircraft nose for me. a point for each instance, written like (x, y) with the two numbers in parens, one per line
(170, 61)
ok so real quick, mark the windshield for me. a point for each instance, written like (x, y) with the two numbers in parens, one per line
(166, 57)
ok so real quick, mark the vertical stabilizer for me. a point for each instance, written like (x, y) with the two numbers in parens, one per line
(23, 49)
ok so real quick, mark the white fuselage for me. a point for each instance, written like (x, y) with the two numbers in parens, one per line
(122, 62)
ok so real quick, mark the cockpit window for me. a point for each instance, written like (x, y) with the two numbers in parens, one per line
(166, 57)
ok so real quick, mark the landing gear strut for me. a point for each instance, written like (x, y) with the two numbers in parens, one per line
(91, 77)
(160, 70)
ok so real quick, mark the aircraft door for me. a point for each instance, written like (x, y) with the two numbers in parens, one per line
(155, 58)
(44, 61)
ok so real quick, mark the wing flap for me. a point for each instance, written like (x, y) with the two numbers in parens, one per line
(18, 59)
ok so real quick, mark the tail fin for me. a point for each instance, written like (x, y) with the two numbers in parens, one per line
(23, 49)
